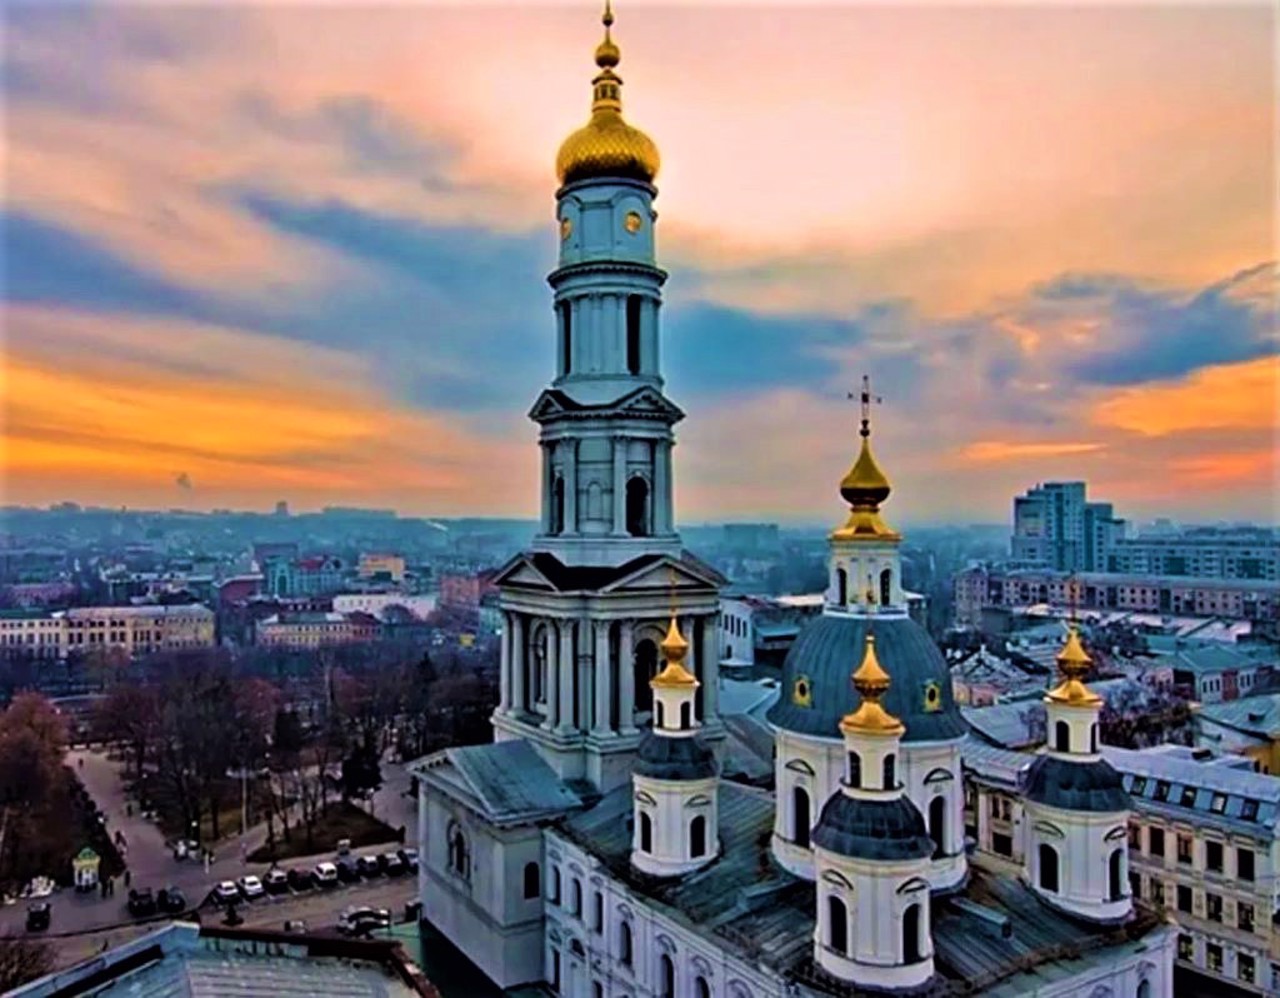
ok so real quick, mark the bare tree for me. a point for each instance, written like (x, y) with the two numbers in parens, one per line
(23, 960)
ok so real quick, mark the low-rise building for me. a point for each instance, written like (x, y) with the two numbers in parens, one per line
(1215, 673)
(136, 630)
(464, 591)
(1249, 726)
(381, 567)
(317, 629)
(418, 605)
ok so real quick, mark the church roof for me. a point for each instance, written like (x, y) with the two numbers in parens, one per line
(1076, 786)
(872, 829)
(665, 758)
(507, 781)
(551, 571)
(754, 908)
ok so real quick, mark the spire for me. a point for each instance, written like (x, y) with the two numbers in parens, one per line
(865, 487)
(871, 682)
(1073, 663)
(674, 649)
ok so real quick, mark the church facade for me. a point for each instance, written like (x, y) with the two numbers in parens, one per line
(595, 849)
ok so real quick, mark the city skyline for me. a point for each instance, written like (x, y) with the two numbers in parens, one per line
(334, 225)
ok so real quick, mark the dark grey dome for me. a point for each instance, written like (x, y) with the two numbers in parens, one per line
(1076, 786)
(662, 758)
(872, 829)
(822, 660)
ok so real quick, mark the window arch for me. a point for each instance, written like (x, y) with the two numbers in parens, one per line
(1115, 870)
(1144, 988)
(1048, 867)
(701, 989)
(800, 816)
(645, 666)
(842, 586)
(659, 710)
(912, 944)
(890, 771)
(685, 721)
(557, 506)
(837, 924)
(1093, 737)
(698, 836)
(646, 832)
(575, 897)
(855, 770)
(886, 587)
(532, 880)
(1062, 736)
(459, 851)
(566, 337)
(638, 507)
(624, 944)
(666, 977)
(938, 825)
(633, 334)
(555, 885)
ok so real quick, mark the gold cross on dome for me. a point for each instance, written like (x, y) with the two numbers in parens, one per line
(865, 399)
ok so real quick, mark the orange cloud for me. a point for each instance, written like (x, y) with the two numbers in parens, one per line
(1244, 396)
(986, 451)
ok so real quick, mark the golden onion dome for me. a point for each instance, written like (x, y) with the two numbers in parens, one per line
(674, 649)
(864, 488)
(606, 146)
(871, 682)
(1073, 663)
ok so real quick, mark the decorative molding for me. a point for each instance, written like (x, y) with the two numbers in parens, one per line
(1045, 828)
(939, 775)
(800, 766)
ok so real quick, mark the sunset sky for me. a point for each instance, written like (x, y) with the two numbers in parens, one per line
(298, 251)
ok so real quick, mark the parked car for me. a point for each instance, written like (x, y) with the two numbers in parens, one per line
(391, 863)
(368, 866)
(295, 925)
(344, 847)
(39, 914)
(301, 879)
(362, 919)
(142, 902)
(251, 887)
(276, 881)
(171, 900)
(348, 870)
(226, 892)
(326, 875)
(410, 857)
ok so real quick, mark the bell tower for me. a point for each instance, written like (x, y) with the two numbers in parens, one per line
(586, 606)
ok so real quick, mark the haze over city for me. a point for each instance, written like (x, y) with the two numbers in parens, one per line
(305, 259)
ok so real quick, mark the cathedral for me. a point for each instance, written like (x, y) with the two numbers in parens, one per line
(593, 849)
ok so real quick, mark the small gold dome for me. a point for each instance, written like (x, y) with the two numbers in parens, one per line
(871, 682)
(607, 146)
(1073, 662)
(865, 484)
(674, 649)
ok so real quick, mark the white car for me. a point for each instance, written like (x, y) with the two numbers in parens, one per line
(251, 887)
(226, 892)
(326, 875)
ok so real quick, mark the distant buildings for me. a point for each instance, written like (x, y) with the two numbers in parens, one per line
(465, 591)
(1249, 727)
(286, 574)
(135, 630)
(756, 631)
(381, 568)
(1241, 553)
(1055, 527)
(308, 630)
(419, 605)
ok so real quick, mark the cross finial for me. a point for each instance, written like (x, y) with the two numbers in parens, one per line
(865, 399)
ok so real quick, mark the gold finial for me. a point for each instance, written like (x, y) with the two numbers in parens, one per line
(674, 649)
(607, 53)
(1073, 663)
(871, 682)
(865, 487)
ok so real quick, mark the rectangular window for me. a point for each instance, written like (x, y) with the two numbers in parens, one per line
(1219, 803)
(1139, 786)
(555, 971)
(1157, 893)
(1002, 845)
(1135, 885)
(1213, 957)
(1245, 968)
(1188, 797)
(598, 922)
(1244, 916)
(1249, 810)
(1244, 865)
(1213, 856)
(1184, 848)
(1213, 907)
(1184, 898)
(1186, 947)
(1155, 841)
(1135, 837)
(1162, 790)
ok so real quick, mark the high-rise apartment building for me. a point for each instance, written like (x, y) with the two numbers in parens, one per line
(1054, 526)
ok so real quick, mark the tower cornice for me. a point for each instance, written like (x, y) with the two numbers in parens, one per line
(561, 274)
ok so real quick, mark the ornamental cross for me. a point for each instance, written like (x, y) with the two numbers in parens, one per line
(865, 399)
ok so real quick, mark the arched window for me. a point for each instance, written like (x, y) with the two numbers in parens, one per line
(938, 825)
(685, 722)
(646, 832)
(701, 989)
(645, 668)
(566, 337)
(1144, 988)
(633, 334)
(1062, 736)
(658, 713)
(1093, 738)
(698, 837)
(557, 506)
(624, 944)
(837, 924)
(638, 507)
(855, 770)
(890, 772)
(575, 897)
(842, 586)
(800, 816)
(595, 501)
(532, 881)
(1116, 869)
(886, 587)
(459, 855)
(912, 950)
(555, 885)
(540, 641)
(1048, 868)
(666, 977)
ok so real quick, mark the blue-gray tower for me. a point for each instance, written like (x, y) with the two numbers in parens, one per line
(585, 607)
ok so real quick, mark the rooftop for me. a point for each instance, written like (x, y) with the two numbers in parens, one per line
(509, 780)
(1256, 715)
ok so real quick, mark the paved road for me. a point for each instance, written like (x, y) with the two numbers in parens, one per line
(151, 863)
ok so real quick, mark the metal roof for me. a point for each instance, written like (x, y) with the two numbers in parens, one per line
(1255, 715)
(511, 780)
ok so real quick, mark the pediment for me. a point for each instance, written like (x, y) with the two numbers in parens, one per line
(668, 575)
(520, 571)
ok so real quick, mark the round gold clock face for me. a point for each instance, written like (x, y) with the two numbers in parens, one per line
(633, 222)
(566, 227)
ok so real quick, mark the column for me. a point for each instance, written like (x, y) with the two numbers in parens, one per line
(604, 689)
(585, 675)
(504, 676)
(710, 671)
(693, 660)
(565, 714)
(518, 662)
(661, 489)
(571, 486)
(620, 485)
(553, 675)
(547, 479)
(626, 679)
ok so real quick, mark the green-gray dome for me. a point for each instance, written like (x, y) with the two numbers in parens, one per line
(816, 690)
